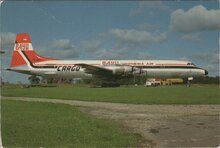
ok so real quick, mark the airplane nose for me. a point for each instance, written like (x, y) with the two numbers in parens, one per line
(206, 72)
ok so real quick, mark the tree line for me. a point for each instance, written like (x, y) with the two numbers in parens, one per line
(206, 80)
(126, 81)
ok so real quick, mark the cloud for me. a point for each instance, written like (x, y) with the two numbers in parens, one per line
(192, 37)
(142, 56)
(7, 39)
(195, 19)
(212, 68)
(61, 48)
(61, 44)
(111, 54)
(135, 37)
(212, 57)
(91, 45)
(184, 58)
(146, 5)
(120, 54)
(147, 26)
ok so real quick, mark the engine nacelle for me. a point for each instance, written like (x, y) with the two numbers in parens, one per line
(127, 70)
(122, 70)
(136, 71)
(140, 72)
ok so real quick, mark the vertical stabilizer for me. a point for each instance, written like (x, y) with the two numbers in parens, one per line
(24, 53)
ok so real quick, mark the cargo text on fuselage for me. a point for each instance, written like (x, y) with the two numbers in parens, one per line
(68, 68)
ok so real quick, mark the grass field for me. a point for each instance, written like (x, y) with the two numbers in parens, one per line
(26, 124)
(197, 94)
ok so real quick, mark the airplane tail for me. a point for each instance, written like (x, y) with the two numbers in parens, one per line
(24, 53)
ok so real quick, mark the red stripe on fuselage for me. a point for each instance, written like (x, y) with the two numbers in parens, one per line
(171, 64)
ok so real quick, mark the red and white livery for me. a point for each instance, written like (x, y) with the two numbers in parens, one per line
(26, 60)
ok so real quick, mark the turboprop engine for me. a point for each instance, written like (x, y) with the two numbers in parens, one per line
(137, 71)
(126, 70)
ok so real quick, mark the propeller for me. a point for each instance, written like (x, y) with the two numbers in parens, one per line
(137, 70)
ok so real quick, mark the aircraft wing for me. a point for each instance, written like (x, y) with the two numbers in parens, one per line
(96, 70)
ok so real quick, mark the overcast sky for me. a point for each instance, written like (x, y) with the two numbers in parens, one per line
(173, 30)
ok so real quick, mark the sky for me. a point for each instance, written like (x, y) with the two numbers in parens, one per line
(145, 30)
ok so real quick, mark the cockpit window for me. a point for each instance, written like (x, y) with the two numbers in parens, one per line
(192, 64)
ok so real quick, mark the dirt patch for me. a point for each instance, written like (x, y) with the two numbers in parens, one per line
(168, 125)
(163, 125)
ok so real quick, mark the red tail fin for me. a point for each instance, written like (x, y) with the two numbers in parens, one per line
(24, 52)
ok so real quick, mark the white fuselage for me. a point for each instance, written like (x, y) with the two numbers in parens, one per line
(150, 68)
(26, 60)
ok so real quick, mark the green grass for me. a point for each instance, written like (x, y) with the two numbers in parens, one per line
(31, 124)
(197, 94)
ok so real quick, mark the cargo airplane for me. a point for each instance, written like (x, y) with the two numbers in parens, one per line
(26, 60)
